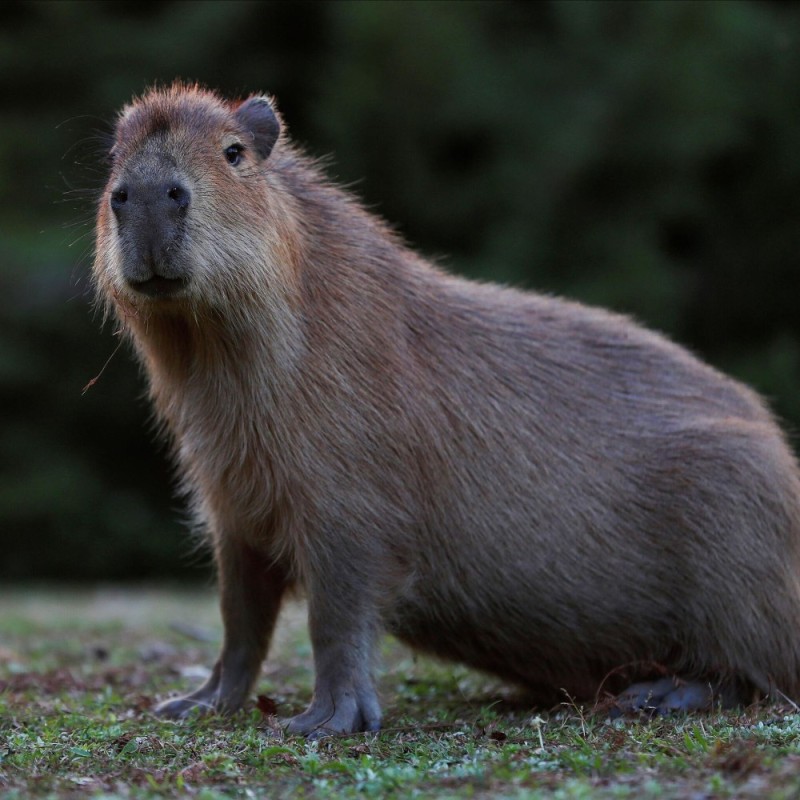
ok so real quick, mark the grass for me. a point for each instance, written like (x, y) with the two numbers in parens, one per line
(79, 672)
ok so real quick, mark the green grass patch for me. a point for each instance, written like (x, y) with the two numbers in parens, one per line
(80, 672)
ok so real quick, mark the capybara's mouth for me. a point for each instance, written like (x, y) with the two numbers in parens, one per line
(158, 286)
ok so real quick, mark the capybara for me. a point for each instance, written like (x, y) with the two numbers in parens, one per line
(535, 488)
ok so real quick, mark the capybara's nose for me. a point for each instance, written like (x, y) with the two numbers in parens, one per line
(150, 214)
(168, 199)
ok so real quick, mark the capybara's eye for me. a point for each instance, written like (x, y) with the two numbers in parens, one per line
(118, 198)
(234, 154)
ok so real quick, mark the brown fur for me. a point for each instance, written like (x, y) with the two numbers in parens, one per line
(536, 488)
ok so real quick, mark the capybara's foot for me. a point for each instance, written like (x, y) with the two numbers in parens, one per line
(210, 698)
(670, 695)
(197, 703)
(346, 713)
(182, 707)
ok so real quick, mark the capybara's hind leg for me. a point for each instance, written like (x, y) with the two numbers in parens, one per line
(671, 695)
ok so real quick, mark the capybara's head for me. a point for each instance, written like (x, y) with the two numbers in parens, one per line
(189, 200)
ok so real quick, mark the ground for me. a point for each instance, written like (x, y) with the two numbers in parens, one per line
(81, 670)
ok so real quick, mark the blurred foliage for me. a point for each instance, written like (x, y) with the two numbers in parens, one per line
(643, 156)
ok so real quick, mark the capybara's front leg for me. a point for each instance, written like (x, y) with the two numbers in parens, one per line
(341, 625)
(251, 588)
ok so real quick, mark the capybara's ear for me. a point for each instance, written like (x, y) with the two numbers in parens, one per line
(258, 118)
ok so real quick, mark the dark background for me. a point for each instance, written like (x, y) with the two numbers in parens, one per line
(642, 156)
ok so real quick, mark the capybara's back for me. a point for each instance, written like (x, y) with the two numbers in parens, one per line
(539, 489)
